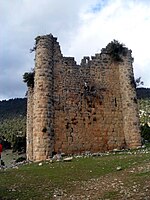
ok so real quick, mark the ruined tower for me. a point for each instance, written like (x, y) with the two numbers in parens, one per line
(77, 108)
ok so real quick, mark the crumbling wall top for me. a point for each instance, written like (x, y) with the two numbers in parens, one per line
(49, 36)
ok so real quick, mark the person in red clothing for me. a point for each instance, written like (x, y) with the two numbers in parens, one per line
(2, 164)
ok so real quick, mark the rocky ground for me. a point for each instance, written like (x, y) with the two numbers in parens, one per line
(113, 187)
(131, 183)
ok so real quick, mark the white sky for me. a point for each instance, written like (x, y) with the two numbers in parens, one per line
(83, 28)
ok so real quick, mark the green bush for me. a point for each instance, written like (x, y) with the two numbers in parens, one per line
(19, 144)
(28, 78)
(145, 132)
(116, 50)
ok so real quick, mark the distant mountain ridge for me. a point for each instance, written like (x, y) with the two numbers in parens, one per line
(143, 93)
(13, 108)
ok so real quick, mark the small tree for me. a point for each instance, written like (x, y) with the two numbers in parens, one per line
(28, 78)
(139, 82)
(116, 50)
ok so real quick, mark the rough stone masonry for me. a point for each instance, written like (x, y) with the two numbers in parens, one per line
(77, 108)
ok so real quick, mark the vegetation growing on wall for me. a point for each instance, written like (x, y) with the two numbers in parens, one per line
(28, 78)
(116, 50)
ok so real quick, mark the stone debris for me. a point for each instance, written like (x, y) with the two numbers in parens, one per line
(97, 188)
(40, 164)
(68, 159)
(61, 157)
(119, 168)
(57, 157)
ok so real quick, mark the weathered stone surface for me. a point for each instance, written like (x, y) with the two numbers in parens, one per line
(77, 108)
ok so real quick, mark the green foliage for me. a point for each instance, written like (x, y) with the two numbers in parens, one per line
(144, 110)
(12, 121)
(28, 78)
(139, 82)
(10, 128)
(144, 113)
(19, 143)
(145, 132)
(116, 50)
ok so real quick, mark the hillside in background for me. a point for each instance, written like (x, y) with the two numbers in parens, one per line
(143, 93)
(13, 115)
(13, 122)
(12, 108)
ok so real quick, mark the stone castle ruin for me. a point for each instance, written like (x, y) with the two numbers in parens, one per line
(77, 108)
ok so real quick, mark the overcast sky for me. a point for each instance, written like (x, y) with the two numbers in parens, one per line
(83, 28)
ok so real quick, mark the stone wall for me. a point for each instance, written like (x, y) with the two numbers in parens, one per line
(77, 108)
(29, 131)
(129, 103)
(43, 133)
